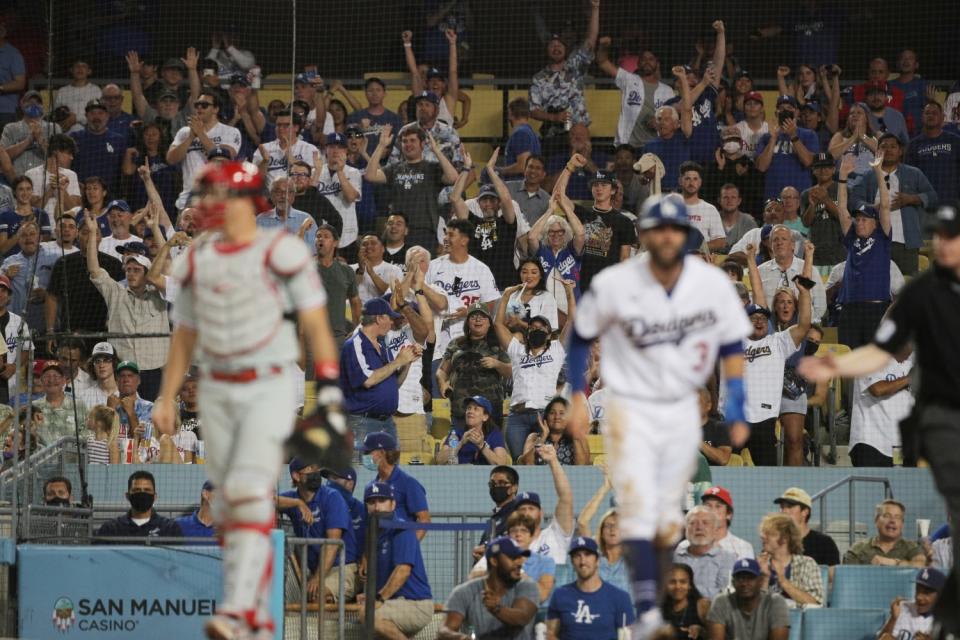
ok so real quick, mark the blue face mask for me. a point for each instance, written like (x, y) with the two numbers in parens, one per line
(368, 462)
(33, 111)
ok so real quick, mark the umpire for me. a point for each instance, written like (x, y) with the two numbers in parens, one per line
(926, 314)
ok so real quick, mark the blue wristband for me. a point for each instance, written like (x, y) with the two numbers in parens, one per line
(578, 353)
(733, 406)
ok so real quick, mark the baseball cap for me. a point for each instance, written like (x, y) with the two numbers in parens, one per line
(731, 133)
(193, 373)
(753, 95)
(297, 464)
(381, 490)
(488, 191)
(755, 308)
(379, 441)
(583, 542)
(720, 494)
(32, 93)
(479, 308)
(378, 307)
(931, 578)
(527, 497)
(945, 220)
(795, 495)
(168, 95)
(428, 95)
(103, 349)
(131, 248)
(347, 474)
(128, 364)
(240, 79)
(173, 63)
(877, 85)
(506, 546)
(118, 204)
(743, 73)
(218, 152)
(746, 565)
(481, 401)
(5, 282)
(813, 105)
(543, 319)
(603, 175)
(38, 366)
(96, 103)
(207, 486)
(823, 160)
(765, 230)
(433, 72)
(663, 210)
(867, 211)
(51, 364)
(353, 131)
(336, 139)
(143, 261)
(785, 99)
(301, 78)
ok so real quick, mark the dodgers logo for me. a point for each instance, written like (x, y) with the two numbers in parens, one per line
(583, 615)
(752, 353)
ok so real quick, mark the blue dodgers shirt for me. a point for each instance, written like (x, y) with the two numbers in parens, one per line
(193, 528)
(358, 522)
(394, 548)
(470, 454)
(590, 616)
(99, 155)
(785, 169)
(411, 497)
(567, 263)
(358, 360)
(329, 512)
(523, 139)
(939, 159)
(705, 137)
(866, 277)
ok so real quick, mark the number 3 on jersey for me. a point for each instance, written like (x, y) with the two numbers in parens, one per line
(702, 356)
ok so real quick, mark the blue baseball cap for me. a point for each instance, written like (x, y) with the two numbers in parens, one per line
(132, 248)
(488, 191)
(388, 296)
(785, 99)
(660, 211)
(584, 542)
(118, 204)
(429, 96)
(527, 497)
(765, 231)
(755, 308)
(298, 464)
(931, 578)
(480, 401)
(347, 474)
(433, 72)
(746, 565)
(379, 307)
(207, 486)
(867, 211)
(218, 152)
(336, 139)
(813, 105)
(379, 441)
(379, 490)
(506, 546)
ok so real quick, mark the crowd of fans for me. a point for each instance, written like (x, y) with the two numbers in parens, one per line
(816, 205)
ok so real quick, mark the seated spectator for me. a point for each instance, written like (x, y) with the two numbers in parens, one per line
(119, 228)
(672, 144)
(715, 445)
(914, 619)
(683, 606)
(199, 524)
(752, 123)
(796, 503)
(553, 431)
(103, 426)
(635, 185)
(750, 612)
(344, 482)
(942, 554)
(613, 567)
(55, 184)
(273, 157)
(500, 602)
(540, 569)
(374, 274)
(22, 211)
(479, 441)
(588, 607)
(528, 193)
(18, 444)
(789, 573)
(141, 521)
(710, 564)
(734, 166)
(380, 453)
(118, 120)
(719, 500)
(100, 149)
(785, 154)
(57, 491)
(888, 548)
(558, 243)
(404, 599)
(880, 401)
(60, 411)
(394, 239)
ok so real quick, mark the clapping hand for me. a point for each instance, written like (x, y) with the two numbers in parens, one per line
(386, 136)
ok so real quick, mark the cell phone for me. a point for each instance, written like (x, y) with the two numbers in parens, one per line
(310, 74)
(783, 116)
(806, 283)
(457, 283)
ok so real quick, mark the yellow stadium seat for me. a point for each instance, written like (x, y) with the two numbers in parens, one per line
(486, 116)
(441, 418)
(719, 258)
(599, 459)
(735, 460)
(830, 335)
(924, 263)
(484, 86)
(596, 446)
(604, 108)
(746, 458)
(387, 75)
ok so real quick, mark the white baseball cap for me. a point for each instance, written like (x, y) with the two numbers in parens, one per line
(143, 261)
(103, 348)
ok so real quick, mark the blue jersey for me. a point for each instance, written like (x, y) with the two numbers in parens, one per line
(785, 168)
(567, 262)
(590, 616)
(522, 140)
(705, 137)
(537, 565)
(358, 522)
(193, 528)
(866, 277)
(374, 125)
(470, 454)
(411, 497)
(396, 547)
(99, 155)
(10, 222)
(358, 360)
(329, 512)
(939, 159)
(672, 152)
(914, 97)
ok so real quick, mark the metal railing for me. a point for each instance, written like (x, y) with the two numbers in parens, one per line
(850, 483)
(301, 545)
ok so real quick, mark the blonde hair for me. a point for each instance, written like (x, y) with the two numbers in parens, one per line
(556, 219)
(103, 416)
(611, 513)
(784, 526)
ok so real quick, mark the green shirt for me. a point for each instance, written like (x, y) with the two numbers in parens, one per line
(864, 552)
(340, 283)
(61, 421)
(468, 378)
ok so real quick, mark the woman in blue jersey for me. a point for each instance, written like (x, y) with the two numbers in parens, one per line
(557, 241)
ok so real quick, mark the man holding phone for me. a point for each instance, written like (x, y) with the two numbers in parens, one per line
(781, 269)
(786, 153)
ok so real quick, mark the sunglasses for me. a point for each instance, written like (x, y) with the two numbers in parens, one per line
(200, 104)
(354, 134)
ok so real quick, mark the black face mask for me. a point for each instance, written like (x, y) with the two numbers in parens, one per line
(387, 515)
(311, 481)
(141, 502)
(499, 494)
(810, 348)
(58, 502)
(537, 338)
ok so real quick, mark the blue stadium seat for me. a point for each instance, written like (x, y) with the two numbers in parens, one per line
(825, 578)
(849, 624)
(870, 587)
(796, 624)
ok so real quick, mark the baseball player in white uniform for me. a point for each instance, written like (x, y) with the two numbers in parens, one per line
(662, 319)
(241, 288)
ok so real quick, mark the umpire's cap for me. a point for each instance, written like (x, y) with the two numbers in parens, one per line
(946, 220)
(660, 211)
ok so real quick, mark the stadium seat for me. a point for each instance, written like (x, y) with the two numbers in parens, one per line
(825, 579)
(596, 445)
(867, 587)
(441, 418)
(735, 460)
(849, 624)
(796, 623)
(923, 263)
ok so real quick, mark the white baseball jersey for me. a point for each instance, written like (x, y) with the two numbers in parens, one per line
(221, 134)
(411, 391)
(632, 94)
(386, 271)
(329, 186)
(763, 373)
(875, 421)
(658, 346)
(465, 284)
(238, 298)
(535, 376)
(277, 165)
(706, 219)
(750, 137)
(909, 623)
(541, 304)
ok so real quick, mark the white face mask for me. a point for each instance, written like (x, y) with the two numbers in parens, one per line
(731, 147)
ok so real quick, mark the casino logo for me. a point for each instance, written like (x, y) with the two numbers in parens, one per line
(63, 617)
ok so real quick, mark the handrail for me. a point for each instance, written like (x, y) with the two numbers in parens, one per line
(850, 482)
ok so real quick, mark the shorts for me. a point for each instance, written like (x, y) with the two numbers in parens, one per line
(332, 581)
(788, 405)
(410, 616)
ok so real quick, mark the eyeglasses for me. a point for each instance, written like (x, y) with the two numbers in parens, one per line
(200, 104)
(354, 134)
(556, 232)
(299, 175)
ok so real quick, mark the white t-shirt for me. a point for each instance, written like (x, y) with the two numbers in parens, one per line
(185, 441)
(738, 546)
(706, 219)
(109, 245)
(552, 542)
(875, 421)
(763, 373)
(39, 176)
(597, 404)
(465, 284)
(411, 391)
(896, 218)
(632, 94)
(16, 326)
(328, 124)
(277, 165)
(93, 395)
(329, 186)
(385, 271)
(751, 138)
(76, 98)
(221, 134)
(896, 277)
(542, 304)
(909, 622)
(535, 376)
(753, 237)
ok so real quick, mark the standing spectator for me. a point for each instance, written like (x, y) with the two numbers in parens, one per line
(540, 569)
(132, 410)
(811, 117)
(790, 197)
(433, 80)
(528, 193)
(786, 153)
(818, 206)
(796, 503)
(55, 185)
(704, 217)
(76, 95)
(99, 149)
(888, 548)
(22, 211)
(26, 140)
(141, 521)
(878, 73)
(915, 619)
(699, 93)
(501, 601)
(880, 401)
(448, 142)
(381, 454)
(307, 198)
(719, 500)
(936, 153)
(103, 376)
(119, 218)
(199, 524)
(553, 431)
(715, 447)
(672, 144)
(791, 574)
(21, 268)
(375, 116)
(858, 138)
(342, 185)
(395, 245)
(914, 88)
(637, 187)
(735, 222)
(284, 216)
(754, 125)
(230, 58)
(781, 270)
(884, 118)
(731, 165)
(503, 486)
(711, 565)
(479, 440)
(374, 275)
(13, 78)
(276, 157)
(523, 142)
(750, 612)
(340, 283)
(61, 412)
(588, 607)
(683, 605)
(558, 243)
(641, 94)
(137, 308)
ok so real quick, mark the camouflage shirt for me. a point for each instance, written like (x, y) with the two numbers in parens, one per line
(468, 378)
(563, 89)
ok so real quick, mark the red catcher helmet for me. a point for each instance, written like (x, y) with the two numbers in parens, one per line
(224, 180)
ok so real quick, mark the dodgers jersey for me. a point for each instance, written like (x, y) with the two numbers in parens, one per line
(764, 360)
(657, 345)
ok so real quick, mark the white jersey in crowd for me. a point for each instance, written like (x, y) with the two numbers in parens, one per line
(329, 126)
(443, 112)
(658, 346)
(632, 94)
(238, 300)
(40, 177)
(552, 543)
(763, 373)
(386, 271)
(535, 376)
(465, 284)
(738, 546)
(411, 391)
(277, 165)
(706, 219)
(93, 395)
(221, 134)
(541, 304)
(909, 623)
(76, 98)
(598, 410)
(109, 244)
(329, 186)
(16, 328)
(875, 421)
(897, 281)
(751, 138)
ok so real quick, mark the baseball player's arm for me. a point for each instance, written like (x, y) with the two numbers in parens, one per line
(178, 361)
(732, 358)
(859, 362)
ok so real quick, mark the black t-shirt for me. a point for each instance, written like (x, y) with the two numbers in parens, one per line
(493, 243)
(414, 189)
(716, 434)
(319, 207)
(80, 305)
(821, 548)
(606, 232)
(190, 421)
(927, 313)
(398, 258)
(497, 524)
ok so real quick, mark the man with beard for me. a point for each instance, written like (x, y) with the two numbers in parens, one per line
(750, 612)
(501, 604)
(641, 94)
(654, 369)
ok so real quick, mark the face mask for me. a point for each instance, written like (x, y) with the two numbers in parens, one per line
(312, 481)
(731, 147)
(141, 501)
(387, 515)
(368, 462)
(499, 494)
(810, 348)
(537, 338)
(33, 111)
(58, 502)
